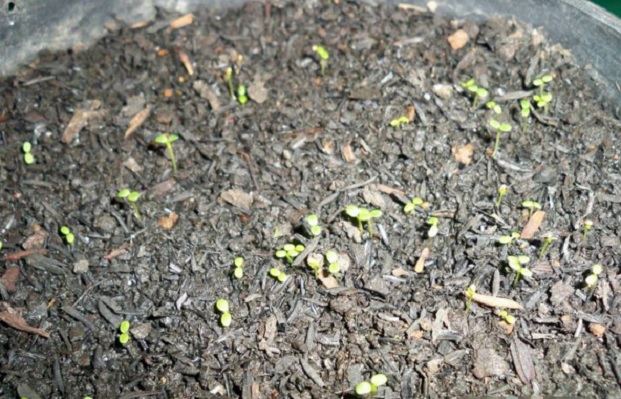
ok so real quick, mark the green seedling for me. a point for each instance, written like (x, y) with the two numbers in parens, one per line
(29, 159)
(547, 240)
(509, 239)
(323, 57)
(124, 330)
(226, 319)
(369, 388)
(502, 190)
(525, 111)
(411, 206)
(494, 107)
(472, 289)
(131, 197)
(1, 245)
(477, 92)
(433, 226)
(289, 251)
(508, 318)
(516, 264)
(67, 235)
(399, 122)
(228, 76)
(500, 128)
(542, 99)
(312, 222)
(278, 274)
(542, 82)
(241, 94)
(363, 215)
(587, 227)
(238, 268)
(334, 267)
(315, 262)
(222, 306)
(590, 280)
(531, 206)
(167, 140)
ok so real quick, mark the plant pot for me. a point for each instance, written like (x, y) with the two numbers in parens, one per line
(29, 26)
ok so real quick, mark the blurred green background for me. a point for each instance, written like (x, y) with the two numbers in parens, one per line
(614, 6)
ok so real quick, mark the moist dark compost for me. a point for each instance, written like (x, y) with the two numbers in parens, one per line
(434, 200)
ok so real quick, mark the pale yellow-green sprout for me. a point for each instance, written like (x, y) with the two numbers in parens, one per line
(500, 128)
(278, 274)
(591, 280)
(324, 55)
(433, 226)
(370, 387)
(289, 251)
(222, 306)
(516, 263)
(228, 76)
(491, 105)
(124, 330)
(508, 318)
(167, 140)
(399, 121)
(363, 215)
(509, 239)
(472, 289)
(238, 267)
(67, 235)
(547, 240)
(132, 198)
(411, 206)
(502, 191)
(531, 205)
(477, 92)
(542, 99)
(312, 221)
(587, 227)
(29, 159)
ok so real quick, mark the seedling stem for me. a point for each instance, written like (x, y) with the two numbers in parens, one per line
(588, 226)
(132, 198)
(363, 215)
(547, 240)
(228, 76)
(500, 128)
(167, 140)
(323, 57)
(478, 92)
(502, 190)
(516, 264)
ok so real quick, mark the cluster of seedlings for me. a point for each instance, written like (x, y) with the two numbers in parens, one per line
(330, 262)
(541, 99)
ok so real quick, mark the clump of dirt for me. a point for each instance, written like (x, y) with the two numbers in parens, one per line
(392, 118)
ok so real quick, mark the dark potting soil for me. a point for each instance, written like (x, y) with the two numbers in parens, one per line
(307, 143)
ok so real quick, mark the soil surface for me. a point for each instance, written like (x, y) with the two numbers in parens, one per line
(306, 143)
